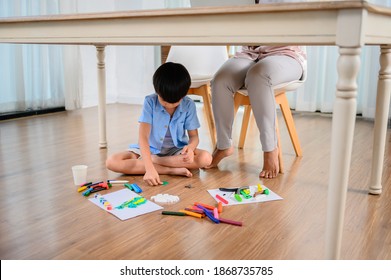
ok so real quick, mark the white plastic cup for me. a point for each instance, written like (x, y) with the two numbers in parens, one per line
(79, 174)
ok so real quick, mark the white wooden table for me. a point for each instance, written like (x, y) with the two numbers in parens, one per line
(347, 24)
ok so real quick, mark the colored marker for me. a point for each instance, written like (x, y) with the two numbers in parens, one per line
(221, 199)
(134, 187)
(238, 198)
(117, 181)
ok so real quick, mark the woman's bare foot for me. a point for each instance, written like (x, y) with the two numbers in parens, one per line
(270, 165)
(218, 155)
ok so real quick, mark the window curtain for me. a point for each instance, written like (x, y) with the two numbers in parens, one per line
(31, 76)
(318, 93)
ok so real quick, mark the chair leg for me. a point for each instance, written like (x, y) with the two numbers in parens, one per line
(242, 100)
(245, 122)
(282, 100)
(280, 161)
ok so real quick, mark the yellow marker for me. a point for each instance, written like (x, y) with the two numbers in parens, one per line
(82, 188)
(189, 213)
(259, 187)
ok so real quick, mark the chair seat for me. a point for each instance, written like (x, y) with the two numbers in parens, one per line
(284, 87)
(198, 80)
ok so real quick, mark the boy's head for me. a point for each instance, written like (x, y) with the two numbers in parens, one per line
(171, 82)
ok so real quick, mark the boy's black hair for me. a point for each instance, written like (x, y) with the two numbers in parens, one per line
(171, 81)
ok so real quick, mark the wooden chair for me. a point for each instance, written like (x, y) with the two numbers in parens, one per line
(202, 62)
(241, 99)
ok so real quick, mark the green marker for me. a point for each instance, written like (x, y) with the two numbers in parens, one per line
(238, 198)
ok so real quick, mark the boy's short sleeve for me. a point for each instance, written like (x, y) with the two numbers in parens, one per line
(147, 111)
(192, 121)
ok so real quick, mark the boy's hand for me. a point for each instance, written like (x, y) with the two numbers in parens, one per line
(152, 178)
(188, 154)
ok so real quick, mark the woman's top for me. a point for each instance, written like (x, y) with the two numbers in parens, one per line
(259, 52)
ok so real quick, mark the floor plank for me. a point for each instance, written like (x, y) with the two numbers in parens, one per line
(43, 217)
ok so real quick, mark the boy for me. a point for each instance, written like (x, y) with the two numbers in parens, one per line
(164, 146)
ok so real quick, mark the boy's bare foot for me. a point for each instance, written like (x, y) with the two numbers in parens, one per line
(181, 171)
(218, 155)
(270, 165)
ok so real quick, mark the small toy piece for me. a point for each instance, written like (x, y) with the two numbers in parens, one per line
(238, 198)
(265, 191)
(165, 183)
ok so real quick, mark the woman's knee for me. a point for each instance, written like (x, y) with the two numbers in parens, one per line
(259, 73)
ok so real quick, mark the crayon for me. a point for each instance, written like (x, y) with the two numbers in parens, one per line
(204, 205)
(190, 213)
(173, 213)
(216, 213)
(220, 207)
(209, 214)
(226, 221)
(221, 199)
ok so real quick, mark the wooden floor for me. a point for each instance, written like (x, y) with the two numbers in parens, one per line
(42, 216)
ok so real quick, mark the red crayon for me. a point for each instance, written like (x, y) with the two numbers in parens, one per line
(226, 221)
(221, 199)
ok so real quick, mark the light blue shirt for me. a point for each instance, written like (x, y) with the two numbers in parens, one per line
(184, 119)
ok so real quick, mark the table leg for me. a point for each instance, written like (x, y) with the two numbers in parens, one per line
(344, 116)
(381, 118)
(100, 53)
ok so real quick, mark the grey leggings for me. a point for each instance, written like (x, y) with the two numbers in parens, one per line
(259, 77)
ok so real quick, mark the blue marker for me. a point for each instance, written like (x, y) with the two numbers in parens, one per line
(133, 187)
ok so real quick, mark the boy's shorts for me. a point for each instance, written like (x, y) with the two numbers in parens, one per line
(163, 153)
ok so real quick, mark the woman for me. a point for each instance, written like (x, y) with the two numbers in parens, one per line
(259, 69)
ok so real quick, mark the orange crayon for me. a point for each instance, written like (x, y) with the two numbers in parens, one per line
(220, 207)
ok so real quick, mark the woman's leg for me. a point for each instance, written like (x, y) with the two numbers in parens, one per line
(260, 81)
(225, 83)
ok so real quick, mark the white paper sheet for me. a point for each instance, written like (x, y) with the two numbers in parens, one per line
(119, 197)
(230, 198)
